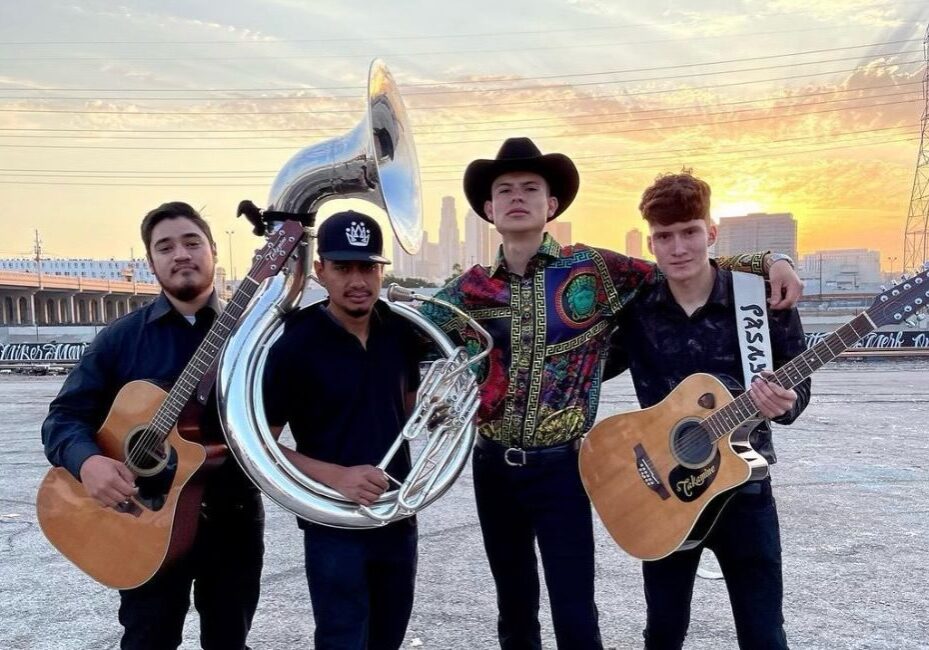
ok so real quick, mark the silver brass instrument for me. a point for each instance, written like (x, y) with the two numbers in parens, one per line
(375, 161)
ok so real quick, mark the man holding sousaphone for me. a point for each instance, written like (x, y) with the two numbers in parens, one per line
(344, 376)
(550, 309)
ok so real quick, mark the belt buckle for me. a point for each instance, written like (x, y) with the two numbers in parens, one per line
(514, 463)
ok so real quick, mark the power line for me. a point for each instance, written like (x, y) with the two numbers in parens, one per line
(449, 142)
(611, 158)
(334, 131)
(432, 84)
(597, 159)
(155, 134)
(405, 37)
(689, 161)
(676, 126)
(836, 136)
(519, 121)
(714, 157)
(486, 104)
(370, 55)
(240, 184)
(662, 78)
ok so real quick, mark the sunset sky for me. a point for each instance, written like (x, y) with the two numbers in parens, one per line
(108, 109)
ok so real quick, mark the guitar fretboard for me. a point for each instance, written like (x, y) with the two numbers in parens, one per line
(742, 409)
(203, 358)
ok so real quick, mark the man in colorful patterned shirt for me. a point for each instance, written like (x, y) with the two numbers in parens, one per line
(550, 309)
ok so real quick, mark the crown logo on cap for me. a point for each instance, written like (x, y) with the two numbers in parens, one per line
(358, 234)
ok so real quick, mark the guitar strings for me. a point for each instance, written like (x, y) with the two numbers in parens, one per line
(162, 423)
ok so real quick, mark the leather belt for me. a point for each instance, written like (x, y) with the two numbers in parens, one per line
(519, 457)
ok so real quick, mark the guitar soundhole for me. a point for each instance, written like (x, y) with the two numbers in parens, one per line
(145, 455)
(154, 469)
(692, 445)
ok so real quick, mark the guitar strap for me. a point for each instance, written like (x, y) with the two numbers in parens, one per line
(752, 324)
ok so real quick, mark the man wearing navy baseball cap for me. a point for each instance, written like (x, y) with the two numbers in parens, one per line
(351, 236)
(344, 377)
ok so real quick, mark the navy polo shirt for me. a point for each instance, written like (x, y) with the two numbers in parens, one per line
(345, 403)
(153, 343)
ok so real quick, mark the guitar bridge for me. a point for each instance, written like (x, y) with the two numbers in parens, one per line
(648, 474)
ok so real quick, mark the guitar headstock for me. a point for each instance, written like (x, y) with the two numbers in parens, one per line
(270, 259)
(901, 301)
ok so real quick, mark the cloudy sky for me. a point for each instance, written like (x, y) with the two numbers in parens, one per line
(109, 108)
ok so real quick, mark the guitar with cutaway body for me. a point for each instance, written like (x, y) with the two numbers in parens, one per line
(157, 434)
(659, 477)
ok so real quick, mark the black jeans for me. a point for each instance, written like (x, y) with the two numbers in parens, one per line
(544, 503)
(361, 584)
(224, 568)
(747, 543)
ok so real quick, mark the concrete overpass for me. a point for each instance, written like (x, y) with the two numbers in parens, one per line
(31, 299)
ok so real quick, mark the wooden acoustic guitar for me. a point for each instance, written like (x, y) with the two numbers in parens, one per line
(157, 435)
(660, 477)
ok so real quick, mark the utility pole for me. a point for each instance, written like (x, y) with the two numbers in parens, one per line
(38, 266)
(37, 249)
(916, 235)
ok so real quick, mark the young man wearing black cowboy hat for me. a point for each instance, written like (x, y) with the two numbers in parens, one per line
(344, 376)
(550, 309)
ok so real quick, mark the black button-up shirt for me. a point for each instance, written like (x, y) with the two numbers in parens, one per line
(153, 343)
(662, 345)
(345, 403)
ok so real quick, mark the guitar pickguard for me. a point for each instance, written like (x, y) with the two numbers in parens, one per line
(689, 484)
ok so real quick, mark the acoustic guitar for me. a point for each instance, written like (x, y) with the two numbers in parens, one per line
(157, 435)
(660, 477)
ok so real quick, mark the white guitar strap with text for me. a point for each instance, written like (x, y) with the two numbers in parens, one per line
(752, 324)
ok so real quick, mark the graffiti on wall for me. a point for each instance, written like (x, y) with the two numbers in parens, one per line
(880, 340)
(42, 351)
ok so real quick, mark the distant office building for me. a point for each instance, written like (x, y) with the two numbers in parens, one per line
(495, 241)
(401, 264)
(137, 269)
(449, 240)
(634, 243)
(831, 271)
(757, 232)
(477, 241)
(426, 264)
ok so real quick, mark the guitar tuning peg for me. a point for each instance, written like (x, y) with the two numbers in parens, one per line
(894, 282)
(925, 266)
(911, 321)
(883, 288)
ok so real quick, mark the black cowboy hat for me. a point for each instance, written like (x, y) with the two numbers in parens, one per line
(521, 155)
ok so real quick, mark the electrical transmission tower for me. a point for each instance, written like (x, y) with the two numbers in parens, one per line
(916, 242)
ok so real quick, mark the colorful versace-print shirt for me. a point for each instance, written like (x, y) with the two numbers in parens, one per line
(551, 329)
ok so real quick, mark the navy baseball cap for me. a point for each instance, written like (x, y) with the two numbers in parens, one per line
(351, 237)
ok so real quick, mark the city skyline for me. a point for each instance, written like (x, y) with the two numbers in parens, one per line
(811, 108)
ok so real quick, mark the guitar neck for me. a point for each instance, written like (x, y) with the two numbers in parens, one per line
(742, 409)
(180, 394)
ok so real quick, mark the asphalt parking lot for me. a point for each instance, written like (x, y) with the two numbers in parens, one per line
(851, 492)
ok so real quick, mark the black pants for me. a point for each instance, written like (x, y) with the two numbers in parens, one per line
(543, 502)
(224, 568)
(747, 543)
(361, 584)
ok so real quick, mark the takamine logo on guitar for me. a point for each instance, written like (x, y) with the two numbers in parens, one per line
(686, 487)
(690, 483)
